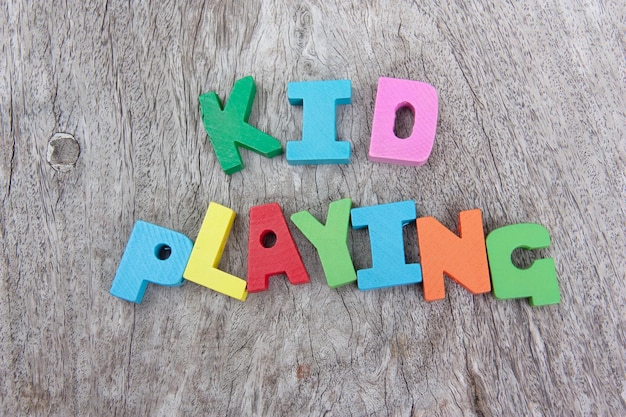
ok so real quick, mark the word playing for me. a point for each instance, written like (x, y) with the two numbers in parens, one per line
(228, 128)
(162, 256)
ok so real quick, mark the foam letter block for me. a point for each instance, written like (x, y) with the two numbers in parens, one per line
(538, 282)
(319, 143)
(331, 241)
(394, 94)
(145, 260)
(207, 252)
(385, 223)
(228, 128)
(463, 258)
(266, 257)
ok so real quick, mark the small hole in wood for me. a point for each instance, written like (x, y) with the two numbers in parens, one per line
(268, 239)
(63, 152)
(163, 251)
(405, 119)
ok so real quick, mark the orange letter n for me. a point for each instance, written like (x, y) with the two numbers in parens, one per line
(463, 258)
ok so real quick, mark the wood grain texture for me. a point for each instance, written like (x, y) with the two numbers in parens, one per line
(532, 128)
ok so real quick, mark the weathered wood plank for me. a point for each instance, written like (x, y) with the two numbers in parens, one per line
(532, 128)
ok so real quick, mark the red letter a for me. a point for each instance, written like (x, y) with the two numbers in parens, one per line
(271, 249)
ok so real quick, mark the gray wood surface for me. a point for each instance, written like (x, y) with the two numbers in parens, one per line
(531, 128)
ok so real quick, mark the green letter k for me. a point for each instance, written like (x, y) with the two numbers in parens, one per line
(228, 128)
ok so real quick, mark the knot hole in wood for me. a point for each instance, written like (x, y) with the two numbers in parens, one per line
(63, 152)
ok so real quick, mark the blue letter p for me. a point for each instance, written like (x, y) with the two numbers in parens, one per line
(153, 254)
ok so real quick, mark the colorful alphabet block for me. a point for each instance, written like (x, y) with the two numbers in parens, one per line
(204, 260)
(319, 143)
(228, 128)
(385, 222)
(331, 241)
(392, 95)
(271, 249)
(161, 256)
(538, 282)
(463, 258)
(154, 255)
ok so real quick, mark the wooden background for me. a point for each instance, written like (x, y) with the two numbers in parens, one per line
(531, 128)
